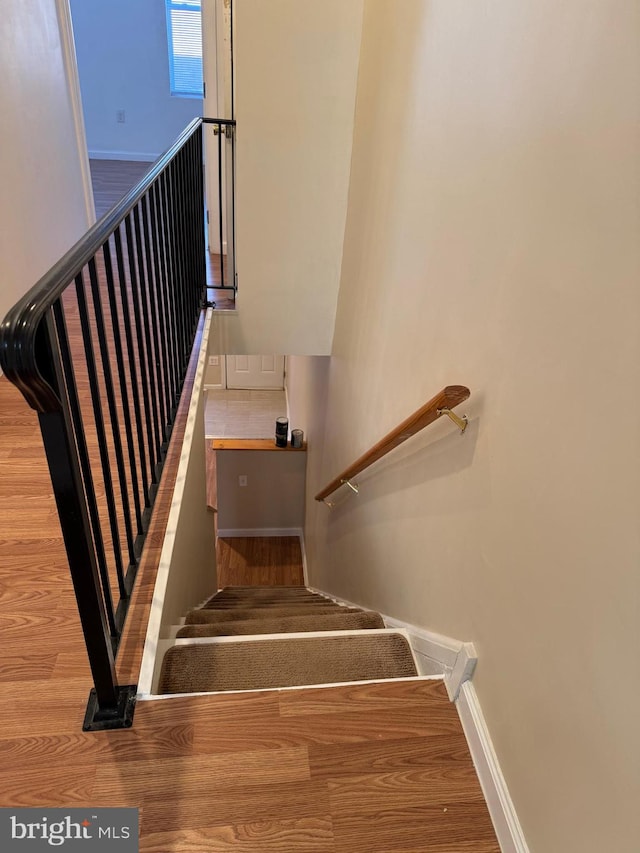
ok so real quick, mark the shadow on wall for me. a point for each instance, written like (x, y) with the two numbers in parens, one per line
(420, 463)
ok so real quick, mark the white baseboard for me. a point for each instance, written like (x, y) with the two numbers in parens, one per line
(494, 788)
(235, 532)
(437, 654)
(138, 156)
(305, 566)
(462, 671)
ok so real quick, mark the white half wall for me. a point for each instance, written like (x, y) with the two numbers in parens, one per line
(43, 207)
(123, 65)
(187, 568)
(296, 71)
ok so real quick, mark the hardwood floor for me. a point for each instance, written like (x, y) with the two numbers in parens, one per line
(112, 180)
(259, 561)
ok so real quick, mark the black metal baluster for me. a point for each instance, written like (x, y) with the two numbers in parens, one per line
(167, 255)
(189, 202)
(58, 432)
(163, 308)
(201, 241)
(179, 268)
(67, 381)
(234, 270)
(144, 382)
(113, 413)
(141, 297)
(196, 203)
(220, 132)
(124, 393)
(173, 270)
(105, 461)
(180, 264)
(135, 390)
(154, 325)
(184, 248)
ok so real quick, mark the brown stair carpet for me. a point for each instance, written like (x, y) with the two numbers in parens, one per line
(262, 664)
(265, 597)
(276, 602)
(202, 615)
(286, 624)
(234, 592)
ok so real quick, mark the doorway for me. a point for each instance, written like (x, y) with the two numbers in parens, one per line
(252, 372)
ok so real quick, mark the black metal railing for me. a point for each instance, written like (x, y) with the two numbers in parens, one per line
(100, 347)
(225, 201)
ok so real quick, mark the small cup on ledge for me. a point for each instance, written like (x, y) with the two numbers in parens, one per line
(297, 437)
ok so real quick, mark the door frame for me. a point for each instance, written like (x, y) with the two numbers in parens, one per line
(70, 63)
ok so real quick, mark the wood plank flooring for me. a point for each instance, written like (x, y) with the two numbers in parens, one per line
(260, 561)
(112, 179)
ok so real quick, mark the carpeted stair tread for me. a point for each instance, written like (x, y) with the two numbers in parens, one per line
(286, 624)
(316, 601)
(262, 664)
(267, 591)
(203, 615)
(264, 597)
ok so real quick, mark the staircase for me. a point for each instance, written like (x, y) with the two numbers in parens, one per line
(254, 638)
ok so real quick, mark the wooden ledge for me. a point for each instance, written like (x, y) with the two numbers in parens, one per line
(252, 444)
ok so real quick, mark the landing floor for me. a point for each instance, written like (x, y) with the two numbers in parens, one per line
(233, 413)
(260, 561)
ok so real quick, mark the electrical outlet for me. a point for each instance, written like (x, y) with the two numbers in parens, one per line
(120, 116)
(214, 360)
(242, 480)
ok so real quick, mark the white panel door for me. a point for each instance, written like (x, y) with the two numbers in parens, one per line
(255, 371)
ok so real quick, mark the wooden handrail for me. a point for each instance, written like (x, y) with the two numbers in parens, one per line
(448, 398)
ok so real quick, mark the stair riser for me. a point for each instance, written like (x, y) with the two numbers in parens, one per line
(198, 617)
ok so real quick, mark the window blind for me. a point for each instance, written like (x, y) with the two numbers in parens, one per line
(184, 36)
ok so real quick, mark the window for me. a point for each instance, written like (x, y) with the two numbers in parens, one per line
(184, 35)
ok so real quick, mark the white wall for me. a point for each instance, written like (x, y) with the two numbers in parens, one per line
(306, 384)
(274, 494)
(42, 205)
(123, 64)
(296, 69)
(189, 553)
(492, 240)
